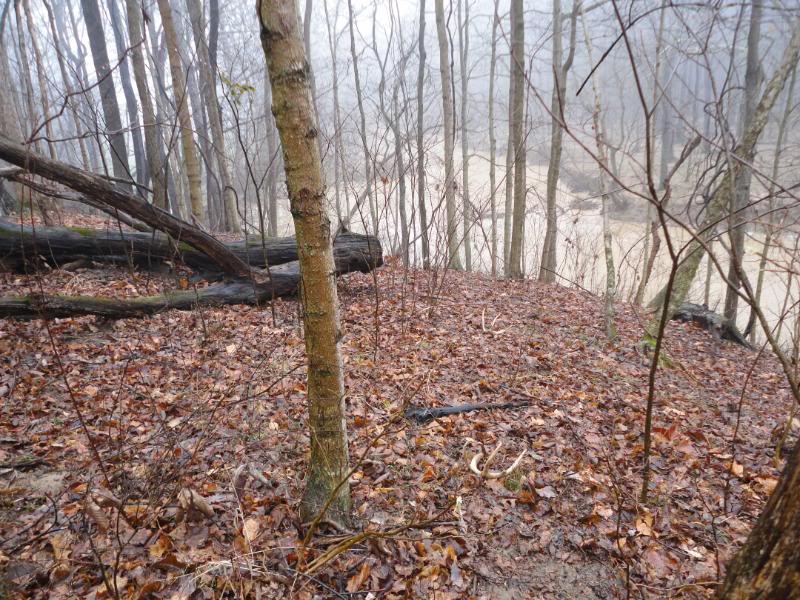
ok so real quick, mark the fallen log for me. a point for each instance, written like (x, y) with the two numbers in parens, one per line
(101, 190)
(424, 414)
(716, 324)
(23, 247)
(283, 281)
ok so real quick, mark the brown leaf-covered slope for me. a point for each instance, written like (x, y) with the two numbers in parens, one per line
(213, 402)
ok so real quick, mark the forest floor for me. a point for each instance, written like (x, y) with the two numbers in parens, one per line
(180, 401)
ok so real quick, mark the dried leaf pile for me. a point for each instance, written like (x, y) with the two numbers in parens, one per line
(198, 419)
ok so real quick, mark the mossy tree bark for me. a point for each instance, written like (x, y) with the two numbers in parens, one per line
(326, 481)
(768, 566)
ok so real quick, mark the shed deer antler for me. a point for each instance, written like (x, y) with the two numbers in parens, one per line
(485, 472)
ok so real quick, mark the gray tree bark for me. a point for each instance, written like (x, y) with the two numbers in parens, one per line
(108, 94)
(453, 259)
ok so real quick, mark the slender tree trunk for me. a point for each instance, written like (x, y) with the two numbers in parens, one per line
(167, 156)
(493, 140)
(108, 94)
(463, 55)
(608, 250)
(508, 216)
(447, 110)
(769, 227)
(421, 195)
(69, 91)
(741, 195)
(518, 143)
(652, 224)
(152, 136)
(78, 62)
(328, 469)
(209, 91)
(338, 152)
(720, 200)
(44, 96)
(401, 174)
(363, 120)
(273, 158)
(190, 159)
(117, 26)
(547, 270)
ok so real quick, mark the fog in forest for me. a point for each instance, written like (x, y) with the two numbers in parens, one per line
(635, 156)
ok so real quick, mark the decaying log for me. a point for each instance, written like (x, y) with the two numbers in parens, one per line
(283, 282)
(424, 414)
(98, 188)
(715, 323)
(23, 246)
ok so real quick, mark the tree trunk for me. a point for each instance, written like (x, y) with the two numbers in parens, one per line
(117, 26)
(179, 90)
(741, 195)
(768, 566)
(720, 200)
(108, 94)
(514, 268)
(421, 195)
(273, 156)
(284, 280)
(608, 250)
(463, 54)
(100, 189)
(508, 215)
(338, 152)
(327, 490)
(22, 247)
(209, 91)
(68, 89)
(547, 270)
(152, 137)
(447, 110)
(769, 227)
(363, 120)
(493, 139)
(652, 224)
(44, 96)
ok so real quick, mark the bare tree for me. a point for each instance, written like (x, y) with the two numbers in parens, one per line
(152, 138)
(449, 132)
(363, 120)
(493, 138)
(327, 489)
(190, 158)
(108, 95)
(547, 270)
(68, 88)
(741, 195)
(118, 29)
(514, 265)
(421, 196)
(209, 91)
(463, 55)
(741, 158)
(608, 250)
(338, 150)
